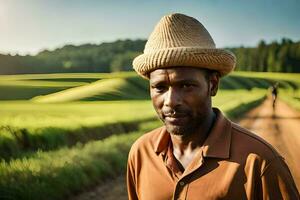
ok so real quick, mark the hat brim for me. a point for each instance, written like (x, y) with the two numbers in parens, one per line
(220, 60)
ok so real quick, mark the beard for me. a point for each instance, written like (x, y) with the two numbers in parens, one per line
(189, 121)
(179, 130)
(185, 129)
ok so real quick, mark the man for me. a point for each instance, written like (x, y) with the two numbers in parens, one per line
(198, 153)
(274, 94)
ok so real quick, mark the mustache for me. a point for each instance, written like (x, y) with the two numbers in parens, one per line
(179, 112)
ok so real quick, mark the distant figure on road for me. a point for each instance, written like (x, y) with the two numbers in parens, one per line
(274, 90)
(198, 153)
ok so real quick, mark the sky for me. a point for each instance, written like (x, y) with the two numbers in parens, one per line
(30, 26)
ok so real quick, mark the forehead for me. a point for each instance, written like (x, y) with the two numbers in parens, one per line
(177, 73)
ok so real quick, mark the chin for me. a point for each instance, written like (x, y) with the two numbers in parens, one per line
(177, 130)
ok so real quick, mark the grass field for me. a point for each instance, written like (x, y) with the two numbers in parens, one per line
(66, 132)
(24, 87)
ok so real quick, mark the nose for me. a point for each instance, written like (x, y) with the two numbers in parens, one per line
(172, 98)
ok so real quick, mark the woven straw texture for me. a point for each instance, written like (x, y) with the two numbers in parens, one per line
(180, 40)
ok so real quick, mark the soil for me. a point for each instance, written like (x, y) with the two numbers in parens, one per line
(280, 127)
(111, 190)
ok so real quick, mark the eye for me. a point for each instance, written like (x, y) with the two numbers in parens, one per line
(159, 88)
(187, 85)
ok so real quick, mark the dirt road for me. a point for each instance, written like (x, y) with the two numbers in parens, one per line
(280, 128)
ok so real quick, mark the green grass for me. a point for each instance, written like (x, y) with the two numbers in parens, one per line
(295, 77)
(72, 114)
(287, 82)
(55, 175)
(66, 76)
(27, 89)
(55, 149)
(292, 98)
(26, 126)
(105, 89)
(237, 102)
(133, 87)
(24, 87)
(289, 85)
(30, 126)
(90, 87)
(73, 169)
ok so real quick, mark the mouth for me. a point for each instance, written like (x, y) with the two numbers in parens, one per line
(176, 119)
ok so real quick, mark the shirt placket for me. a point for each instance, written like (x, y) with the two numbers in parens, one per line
(182, 185)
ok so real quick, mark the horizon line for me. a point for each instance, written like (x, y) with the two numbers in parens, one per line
(51, 49)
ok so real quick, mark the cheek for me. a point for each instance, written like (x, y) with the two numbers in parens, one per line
(157, 101)
(198, 101)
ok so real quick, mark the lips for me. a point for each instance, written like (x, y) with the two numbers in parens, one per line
(176, 119)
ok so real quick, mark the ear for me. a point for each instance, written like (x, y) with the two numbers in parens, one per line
(214, 80)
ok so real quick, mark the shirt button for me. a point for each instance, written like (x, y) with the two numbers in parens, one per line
(181, 183)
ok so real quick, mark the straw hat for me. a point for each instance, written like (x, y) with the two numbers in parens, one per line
(180, 40)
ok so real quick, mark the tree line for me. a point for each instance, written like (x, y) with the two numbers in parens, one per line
(283, 56)
(105, 57)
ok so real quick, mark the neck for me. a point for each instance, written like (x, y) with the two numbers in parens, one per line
(190, 142)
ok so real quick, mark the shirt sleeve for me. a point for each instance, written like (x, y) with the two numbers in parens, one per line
(130, 180)
(277, 182)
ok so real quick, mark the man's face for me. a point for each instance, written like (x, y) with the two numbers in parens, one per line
(182, 97)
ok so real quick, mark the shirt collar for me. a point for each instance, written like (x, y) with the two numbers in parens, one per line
(161, 144)
(216, 145)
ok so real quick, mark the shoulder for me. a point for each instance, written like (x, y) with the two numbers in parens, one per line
(146, 142)
(264, 163)
(252, 152)
(247, 142)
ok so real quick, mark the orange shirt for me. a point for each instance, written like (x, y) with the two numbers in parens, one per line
(233, 163)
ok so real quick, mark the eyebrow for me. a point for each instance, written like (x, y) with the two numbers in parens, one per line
(175, 82)
(187, 81)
